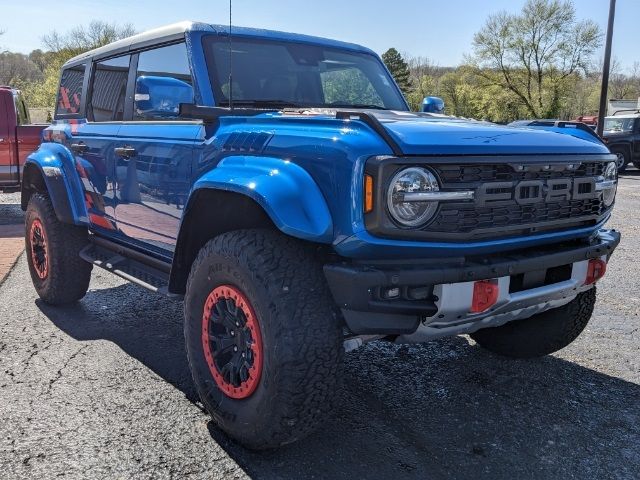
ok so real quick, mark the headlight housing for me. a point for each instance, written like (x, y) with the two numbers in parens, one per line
(609, 184)
(409, 181)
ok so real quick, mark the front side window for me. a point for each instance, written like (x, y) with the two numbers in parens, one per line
(109, 89)
(163, 81)
(618, 124)
(280, 74)
(70, 91)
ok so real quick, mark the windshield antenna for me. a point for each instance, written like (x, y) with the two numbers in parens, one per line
(230, 63)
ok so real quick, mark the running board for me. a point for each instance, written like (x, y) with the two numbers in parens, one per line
(147, 272)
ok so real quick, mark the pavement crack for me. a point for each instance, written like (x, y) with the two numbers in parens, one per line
(60, 370)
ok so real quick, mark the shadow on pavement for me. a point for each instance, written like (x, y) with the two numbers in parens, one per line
(441, 410)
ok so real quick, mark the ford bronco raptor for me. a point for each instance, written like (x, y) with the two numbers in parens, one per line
(279, 184)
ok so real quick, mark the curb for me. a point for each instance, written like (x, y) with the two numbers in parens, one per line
(11, 247)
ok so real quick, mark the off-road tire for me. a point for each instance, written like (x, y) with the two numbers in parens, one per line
(624, 152)
(67, 276)
(300, 333)
(541, 334)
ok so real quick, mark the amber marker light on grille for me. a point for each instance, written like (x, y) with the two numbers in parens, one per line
(368, 194)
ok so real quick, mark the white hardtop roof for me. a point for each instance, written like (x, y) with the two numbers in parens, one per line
(166, 31)
(625, 115)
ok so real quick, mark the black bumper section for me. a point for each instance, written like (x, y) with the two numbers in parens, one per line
(356, 287)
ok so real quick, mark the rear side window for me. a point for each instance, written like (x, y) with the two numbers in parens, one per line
(109, 89)
(70, 91)
(171, 63)
(21, 110)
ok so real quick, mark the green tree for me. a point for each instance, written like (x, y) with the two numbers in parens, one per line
(534, 54)
(398, 68)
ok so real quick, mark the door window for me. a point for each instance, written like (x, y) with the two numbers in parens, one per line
(70, 91)
(109, 89)
(163, 80)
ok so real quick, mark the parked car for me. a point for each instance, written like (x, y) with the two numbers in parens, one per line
(18, 137)
(622, 135)
(300, 209)
(590, 120)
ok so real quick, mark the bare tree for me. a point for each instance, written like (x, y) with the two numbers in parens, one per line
(16, 67)
(83, 38)
(532, 54)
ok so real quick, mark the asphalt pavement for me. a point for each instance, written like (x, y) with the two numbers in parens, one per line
(102, 390)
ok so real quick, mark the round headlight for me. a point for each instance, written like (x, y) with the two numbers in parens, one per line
(611, 177)
(415, 212)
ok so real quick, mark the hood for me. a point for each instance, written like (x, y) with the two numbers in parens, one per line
(428, 134)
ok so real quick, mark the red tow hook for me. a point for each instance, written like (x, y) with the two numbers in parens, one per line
(595, 271)
(485, 295)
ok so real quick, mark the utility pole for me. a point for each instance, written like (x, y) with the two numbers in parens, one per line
(604, 89)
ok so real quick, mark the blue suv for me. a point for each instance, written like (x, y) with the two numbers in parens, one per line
(280, 186)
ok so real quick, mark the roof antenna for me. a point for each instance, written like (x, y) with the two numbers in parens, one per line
(230, 63)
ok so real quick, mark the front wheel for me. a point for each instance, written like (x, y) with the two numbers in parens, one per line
(622, 158)
(263, 342)
(541, 334)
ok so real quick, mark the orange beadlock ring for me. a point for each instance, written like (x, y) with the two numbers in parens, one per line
(235, 362)
(39, 249)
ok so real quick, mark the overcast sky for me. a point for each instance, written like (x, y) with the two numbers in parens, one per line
(439, 29)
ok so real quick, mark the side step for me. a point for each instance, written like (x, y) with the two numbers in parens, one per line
(148, 272)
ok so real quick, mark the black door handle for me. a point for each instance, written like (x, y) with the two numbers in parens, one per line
(125, 152)
(79, 147)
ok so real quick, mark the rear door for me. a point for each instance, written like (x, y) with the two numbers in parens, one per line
(95, 115)
(156, 148)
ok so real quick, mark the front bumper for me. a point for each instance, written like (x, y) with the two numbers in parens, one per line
(436, 293)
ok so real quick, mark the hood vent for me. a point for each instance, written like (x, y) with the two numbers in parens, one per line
(252, 142)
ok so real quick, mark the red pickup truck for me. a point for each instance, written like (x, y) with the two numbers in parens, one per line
(18, 137)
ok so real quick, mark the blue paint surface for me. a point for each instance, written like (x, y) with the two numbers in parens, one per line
(306, 172)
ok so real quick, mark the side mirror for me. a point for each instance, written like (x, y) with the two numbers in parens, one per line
(433, 105)
(161, 96)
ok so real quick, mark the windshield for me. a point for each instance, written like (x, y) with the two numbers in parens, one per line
(269, 73)
(617, 124)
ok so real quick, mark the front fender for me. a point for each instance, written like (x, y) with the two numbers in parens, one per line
(283, 189)
(57, 168)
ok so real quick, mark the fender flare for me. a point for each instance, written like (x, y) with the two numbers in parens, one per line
(56, 166)
(285, 191)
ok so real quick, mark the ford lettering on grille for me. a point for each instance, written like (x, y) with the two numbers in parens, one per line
(528, 192)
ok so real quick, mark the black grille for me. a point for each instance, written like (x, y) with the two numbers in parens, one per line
(509, 216)
(453, 218)
(488, 216)
(456, 174)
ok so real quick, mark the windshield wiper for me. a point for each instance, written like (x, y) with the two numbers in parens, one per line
(357, 105)
(265, 103)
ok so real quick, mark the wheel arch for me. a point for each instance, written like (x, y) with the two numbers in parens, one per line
(51, 170)
(245, 193)
(201, 223)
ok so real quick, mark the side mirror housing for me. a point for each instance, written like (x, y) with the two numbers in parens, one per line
(161, 96)
(433, 105)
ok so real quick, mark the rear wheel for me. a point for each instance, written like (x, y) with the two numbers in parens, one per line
(263, 342)
(541, 334)
(58, 273)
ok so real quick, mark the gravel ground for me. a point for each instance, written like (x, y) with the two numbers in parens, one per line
(102, 389)
(10, 211)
